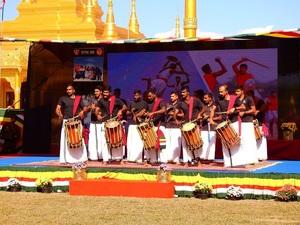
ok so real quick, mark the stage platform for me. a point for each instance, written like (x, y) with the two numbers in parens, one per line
(258, 181)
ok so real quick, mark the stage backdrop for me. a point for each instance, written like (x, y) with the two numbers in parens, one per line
(170, 70)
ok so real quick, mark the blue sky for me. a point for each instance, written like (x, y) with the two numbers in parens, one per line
(224, 17)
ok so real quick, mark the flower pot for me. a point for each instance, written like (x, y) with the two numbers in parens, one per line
(163, 176)
(79, 174)
(14, 188)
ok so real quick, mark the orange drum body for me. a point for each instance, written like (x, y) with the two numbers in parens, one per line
(191, 134)
(227, 134)
(73, 131)
(148, 135)
(258, 134)
(113, 133)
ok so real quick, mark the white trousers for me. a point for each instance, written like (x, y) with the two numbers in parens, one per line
(262, 148)
(94, 150)
(134, 144)
(70, 155)
(173, 144)
(209, 145)
(244, 153)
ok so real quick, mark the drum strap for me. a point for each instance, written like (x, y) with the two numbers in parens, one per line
(156, 104)
(191, 104)
(76, 104)
(160, 134)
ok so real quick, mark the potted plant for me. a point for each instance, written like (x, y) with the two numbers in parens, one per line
(79, 171)
(286, 193)
(163, 173)
(44, 185)
(234, 193)
(202, 190)
(13, 185)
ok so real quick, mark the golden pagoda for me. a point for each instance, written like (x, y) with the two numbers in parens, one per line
(190, 19)
(50, 20)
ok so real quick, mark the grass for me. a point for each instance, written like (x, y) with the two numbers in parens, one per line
(60, 208)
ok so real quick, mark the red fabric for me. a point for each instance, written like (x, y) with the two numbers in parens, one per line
(108, 187)
(210, 80)
(160, 134)
(76, 104)
(265, 130)
(124, 138)
(272, 103)
(156, 104)
(230, 106)
(242, 78)
(191, 104)
(111, 104)
(85, 134)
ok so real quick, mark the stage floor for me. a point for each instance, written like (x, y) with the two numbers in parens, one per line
(288, 167)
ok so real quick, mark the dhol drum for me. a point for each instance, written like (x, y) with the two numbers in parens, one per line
(258, 133)
(113, 133)
(227, 134)
(73, 132)
(148, 135)
(191, 134)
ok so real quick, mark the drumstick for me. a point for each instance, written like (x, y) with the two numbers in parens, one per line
(259, 64)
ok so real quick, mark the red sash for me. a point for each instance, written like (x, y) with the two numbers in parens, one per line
(111, 104)
(76, 104)
(265, 130)
(191, 104)
(159, 133)
(230, 106)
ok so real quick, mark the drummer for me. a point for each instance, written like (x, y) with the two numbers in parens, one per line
(135, 145)
(109, 107)
(174, 118)
(208, 126)
(69, 106)
(156, 111)
(191, 107)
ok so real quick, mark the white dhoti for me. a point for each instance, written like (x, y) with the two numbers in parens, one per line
(209, 145)
(70, 155)
(134, 145)
(109, 154)
(94, 151)
(244, 153)
(262, 148)
(158, 156)
(173, 144)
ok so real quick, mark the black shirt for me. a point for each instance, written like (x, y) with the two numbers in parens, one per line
(207, 109)
(137, 106)
(261, 115)
(197, 107)
(172, 122)
(67, 104)
(160, 117)
(103, 104)
(248, 102)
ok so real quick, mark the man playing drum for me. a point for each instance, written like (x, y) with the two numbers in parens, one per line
(208, 126)
(67, 108)
(156, 112)
(135, 144)
(191, 108)
(107, 108)
(94, 150)
(173, 133)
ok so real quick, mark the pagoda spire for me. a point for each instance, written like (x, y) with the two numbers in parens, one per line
(133, 21)
(110, 26)
(190, 19)
(177, 30)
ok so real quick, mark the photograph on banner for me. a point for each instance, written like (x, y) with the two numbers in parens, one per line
(254, 69)
(88, 64)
